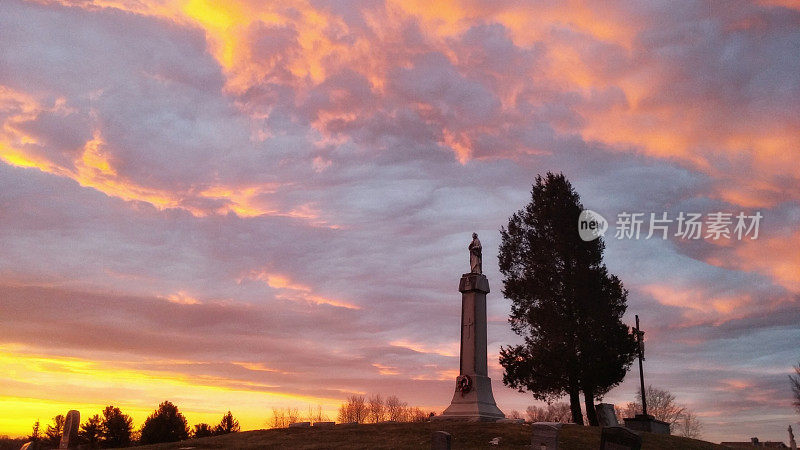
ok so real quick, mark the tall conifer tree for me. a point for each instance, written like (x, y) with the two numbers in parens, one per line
(565, 304)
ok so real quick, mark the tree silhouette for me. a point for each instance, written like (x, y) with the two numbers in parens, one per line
(316, 415)
(165, 424)
(689, 426)
(227, 425)
(116, 428)
(376, 410)
(36, 434)
(202, 430)
(661, 404)
(554, 412)
(396, 410)
(565, 304)
(354, 409)
(54, 432)
(91, 431)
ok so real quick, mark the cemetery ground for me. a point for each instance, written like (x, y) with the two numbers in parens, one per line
(418, 435)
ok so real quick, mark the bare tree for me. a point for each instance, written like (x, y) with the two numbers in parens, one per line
(689, 426)
(661, 404)
(396, 410)
(514, 414)
(554, 412)
(278, 418)
(628, 410)
(353, 410)
(376, 409)
(316, 415)
(416, 414)
(292, 416)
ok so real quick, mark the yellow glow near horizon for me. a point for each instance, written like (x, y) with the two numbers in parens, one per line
(36, 386)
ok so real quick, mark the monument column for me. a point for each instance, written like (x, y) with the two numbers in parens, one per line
(473, 398)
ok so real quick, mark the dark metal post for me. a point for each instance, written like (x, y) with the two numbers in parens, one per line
(640, 338)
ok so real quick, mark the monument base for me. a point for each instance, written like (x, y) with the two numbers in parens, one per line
(646, 423)
(475, 405)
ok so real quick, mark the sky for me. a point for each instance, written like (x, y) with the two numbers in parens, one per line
(241, 205)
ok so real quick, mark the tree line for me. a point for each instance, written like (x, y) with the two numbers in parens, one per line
(114, 429)
(374, 409)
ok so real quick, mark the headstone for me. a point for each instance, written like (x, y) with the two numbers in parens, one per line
(473, 399)
(325, 424)
(69, 439)
(606, 415)
(646, 423)
(619, 438)
(300, 425)
(440, 440)
(544, 435)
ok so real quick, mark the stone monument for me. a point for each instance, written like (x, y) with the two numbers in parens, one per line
(69, 437)
(606, 416)
(544, 435)
(441, 440)
(473, 398)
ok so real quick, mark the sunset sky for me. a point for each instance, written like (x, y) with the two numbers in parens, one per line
(244, 205)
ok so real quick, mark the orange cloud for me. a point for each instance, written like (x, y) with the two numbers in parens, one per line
(183, 298)
(449, 350)
(289, 290)
(701, 305)
(776, 257)
(95, 169)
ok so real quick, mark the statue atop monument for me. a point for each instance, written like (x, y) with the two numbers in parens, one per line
(472, 398)
(475, 257)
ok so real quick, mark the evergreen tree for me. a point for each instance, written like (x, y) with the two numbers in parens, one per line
(166, 424)
(202, 430)
(565, 304)
(91, 431)
(54, 432)
(227, 425)
(116, 428)
(36, 434)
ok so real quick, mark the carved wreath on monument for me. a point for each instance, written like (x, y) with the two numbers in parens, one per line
(463, 384)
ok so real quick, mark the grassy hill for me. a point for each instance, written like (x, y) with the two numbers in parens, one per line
(417, 435)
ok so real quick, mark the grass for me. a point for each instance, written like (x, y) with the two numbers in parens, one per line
(418, 435)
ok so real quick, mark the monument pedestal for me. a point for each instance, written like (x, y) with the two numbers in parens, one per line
(473, 399)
